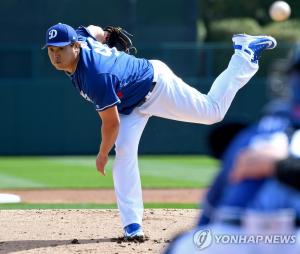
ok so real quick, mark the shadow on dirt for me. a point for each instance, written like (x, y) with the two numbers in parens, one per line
(15, 246)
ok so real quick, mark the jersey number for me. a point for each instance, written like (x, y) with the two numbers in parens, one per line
(102, 49)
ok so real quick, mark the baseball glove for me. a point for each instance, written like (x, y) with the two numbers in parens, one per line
(119, 38)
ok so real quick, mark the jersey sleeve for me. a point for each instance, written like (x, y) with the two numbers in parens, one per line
(102, 91)
(84, 33)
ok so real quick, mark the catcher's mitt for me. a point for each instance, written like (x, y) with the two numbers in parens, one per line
(119, 38)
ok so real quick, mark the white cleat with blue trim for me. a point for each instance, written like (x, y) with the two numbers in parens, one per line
(253, 45)
(133, 232)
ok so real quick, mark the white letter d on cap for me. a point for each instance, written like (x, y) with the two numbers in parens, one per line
(52, 34)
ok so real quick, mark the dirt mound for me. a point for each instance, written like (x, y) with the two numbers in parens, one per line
(87, 231)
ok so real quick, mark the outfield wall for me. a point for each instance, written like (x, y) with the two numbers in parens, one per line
(41, 113)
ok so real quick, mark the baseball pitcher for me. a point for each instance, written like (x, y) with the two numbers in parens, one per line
(126, 91)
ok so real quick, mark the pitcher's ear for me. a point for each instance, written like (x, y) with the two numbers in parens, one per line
(76, 45)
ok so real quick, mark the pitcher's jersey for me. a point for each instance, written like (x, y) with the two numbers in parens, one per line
(108, 77)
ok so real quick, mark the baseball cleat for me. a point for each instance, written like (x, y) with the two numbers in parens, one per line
(133, 232)
(253, 45)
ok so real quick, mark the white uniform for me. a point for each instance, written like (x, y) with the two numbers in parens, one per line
(171, 98)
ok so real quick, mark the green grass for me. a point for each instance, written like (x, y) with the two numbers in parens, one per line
(79, 172)
(91, 206)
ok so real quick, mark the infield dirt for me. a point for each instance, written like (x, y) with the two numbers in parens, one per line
(105, 196)
(87, 231)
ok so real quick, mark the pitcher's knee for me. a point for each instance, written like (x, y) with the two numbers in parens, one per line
(216, 119)
(212, 119)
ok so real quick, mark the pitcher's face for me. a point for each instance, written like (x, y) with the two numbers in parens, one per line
(63, 58)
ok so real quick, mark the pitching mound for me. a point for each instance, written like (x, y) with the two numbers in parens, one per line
(87, 231)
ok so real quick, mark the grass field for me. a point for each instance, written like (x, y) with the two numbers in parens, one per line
(79, 172)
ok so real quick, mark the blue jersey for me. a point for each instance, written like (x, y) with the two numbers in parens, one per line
(224, 193)
(107, 77)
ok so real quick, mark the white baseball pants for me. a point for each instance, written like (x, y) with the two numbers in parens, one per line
(171, 99)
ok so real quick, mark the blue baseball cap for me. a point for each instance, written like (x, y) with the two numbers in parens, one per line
(60, 35)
